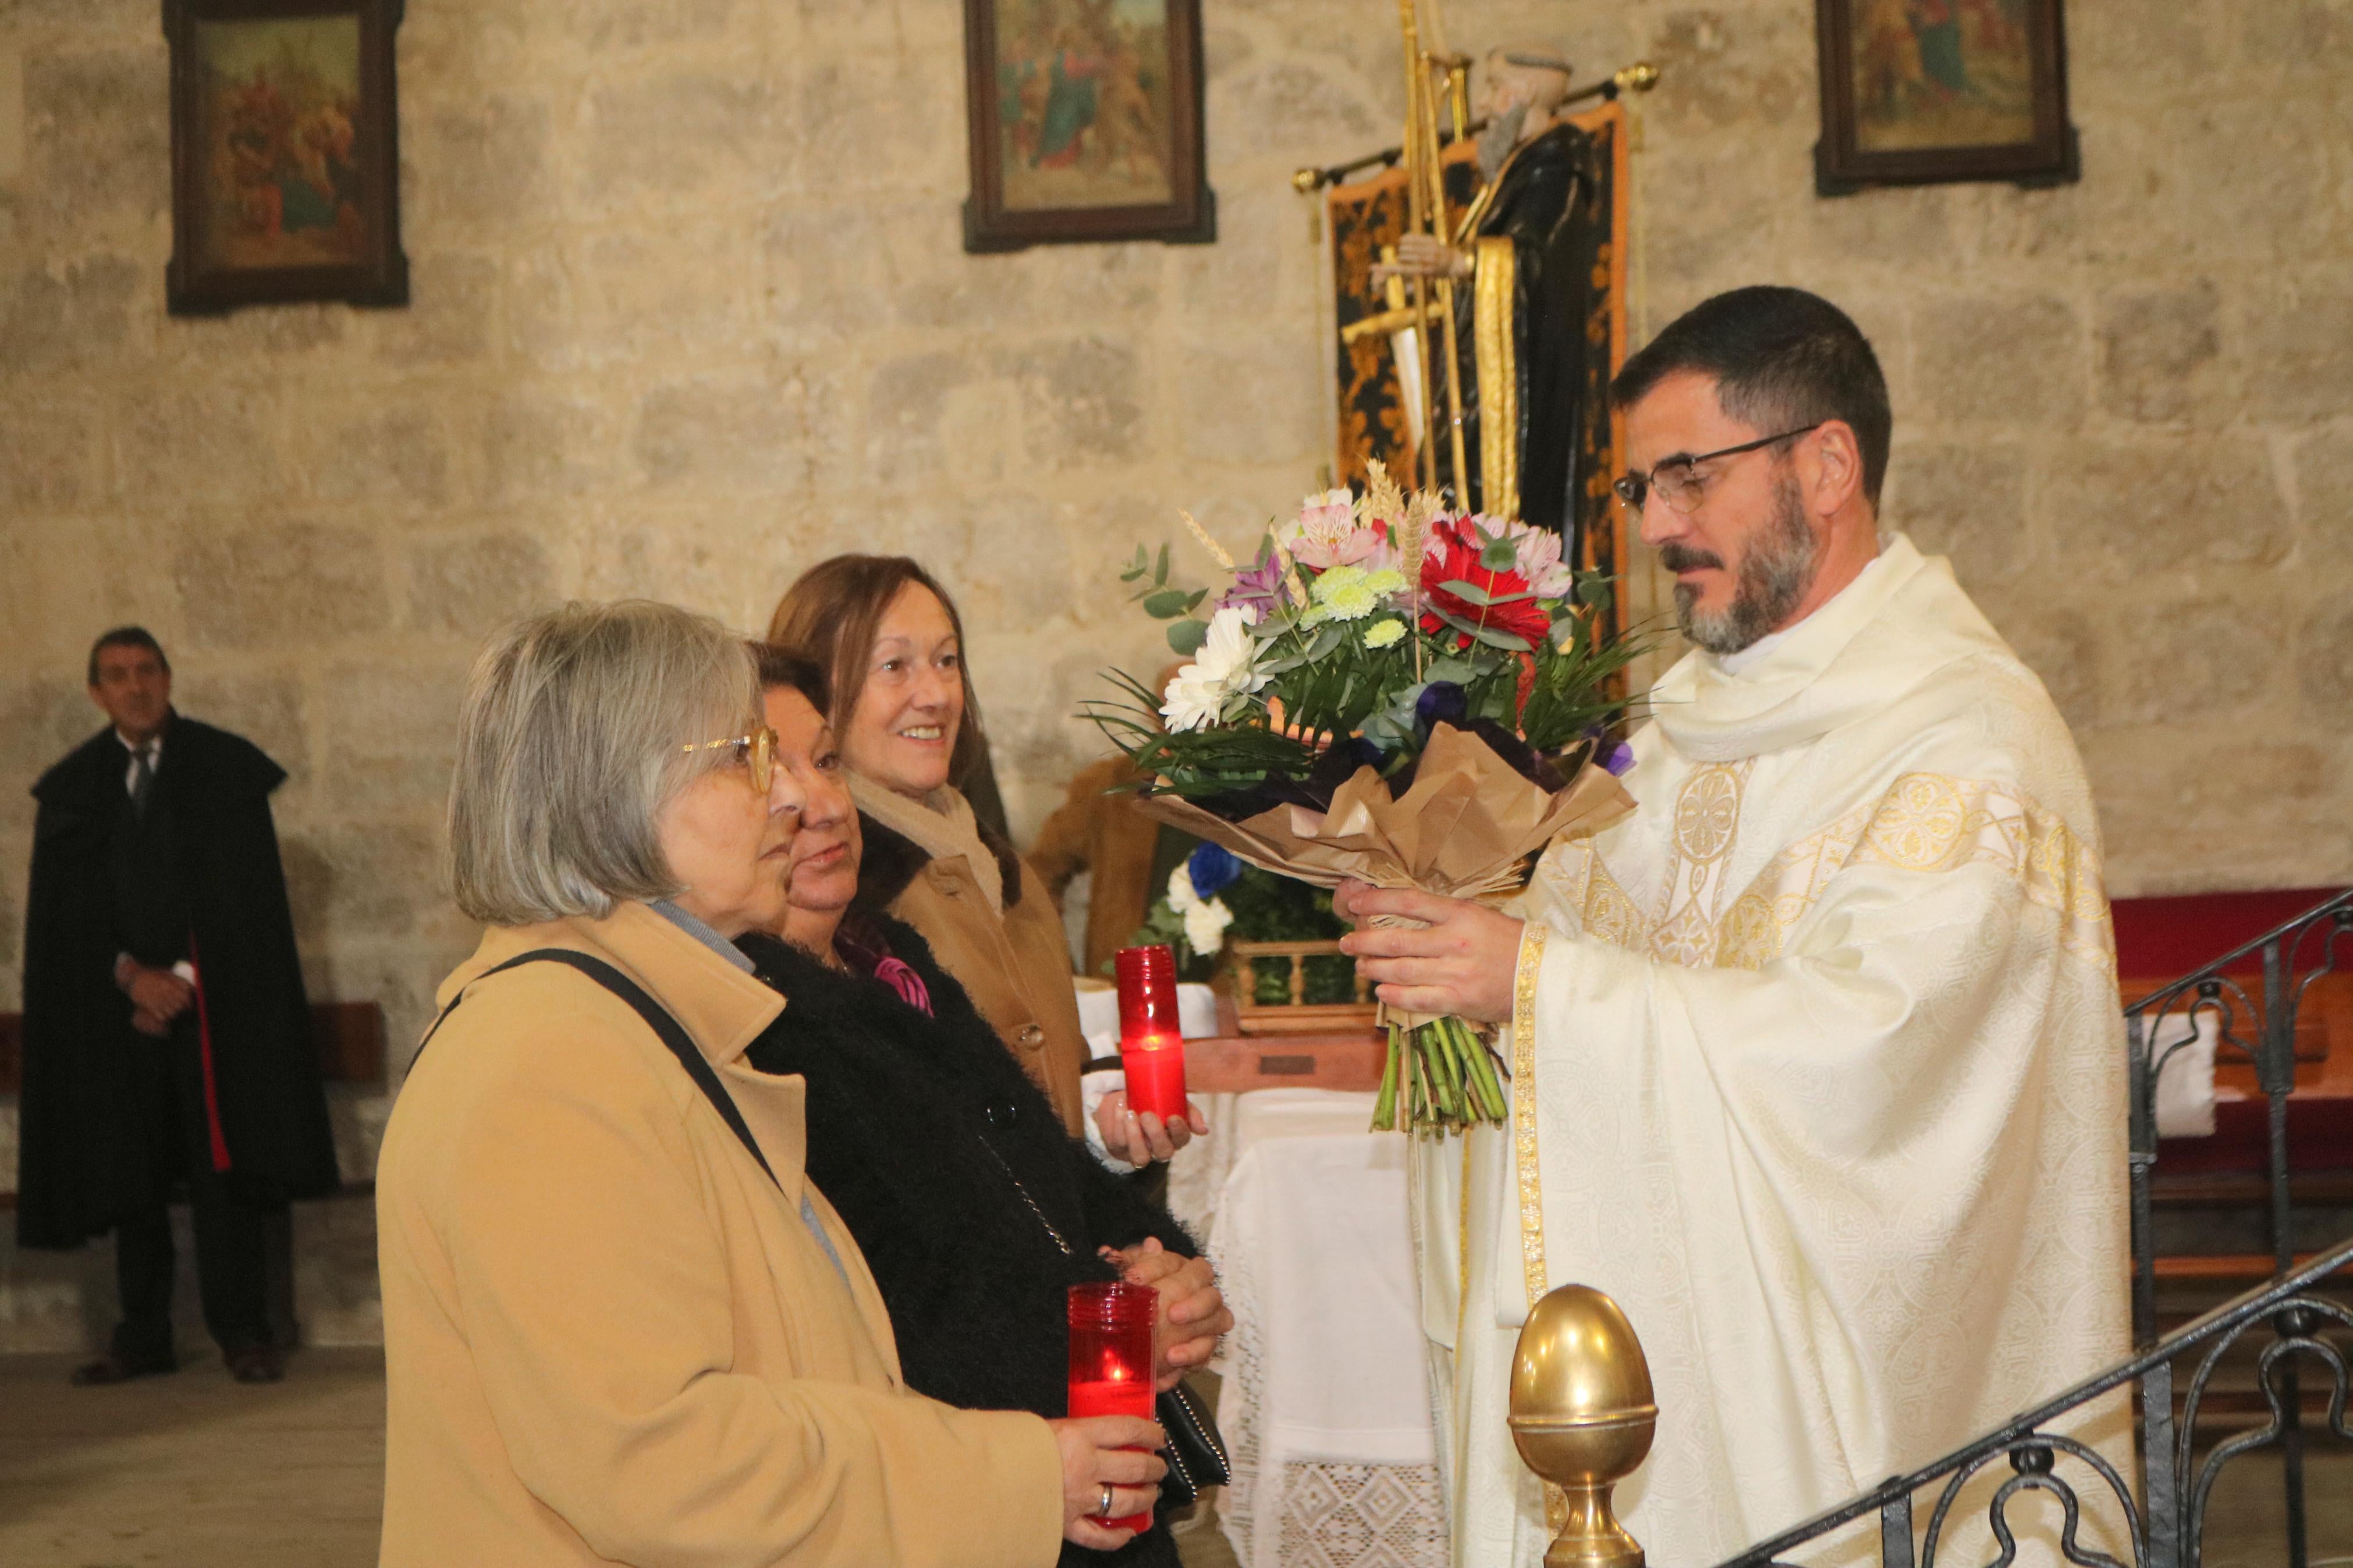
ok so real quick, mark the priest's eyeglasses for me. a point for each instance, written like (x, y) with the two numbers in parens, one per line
(1676, 480)
(757, 750)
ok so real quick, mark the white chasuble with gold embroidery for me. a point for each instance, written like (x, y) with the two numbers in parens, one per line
(1818, 1070)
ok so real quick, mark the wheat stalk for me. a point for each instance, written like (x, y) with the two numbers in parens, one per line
(1216, 551)
(1412, 535)
(1290, 578)
(1383, 499)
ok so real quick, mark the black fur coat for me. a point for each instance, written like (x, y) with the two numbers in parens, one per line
(904, 1113)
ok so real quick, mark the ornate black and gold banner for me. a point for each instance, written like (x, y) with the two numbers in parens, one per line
(1369, 215)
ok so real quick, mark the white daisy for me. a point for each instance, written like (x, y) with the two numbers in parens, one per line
(1226, 668)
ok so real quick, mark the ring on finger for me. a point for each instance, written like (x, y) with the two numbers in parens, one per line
(1104, 1511)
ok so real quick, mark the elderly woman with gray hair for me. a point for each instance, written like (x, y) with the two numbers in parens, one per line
(620, 1325)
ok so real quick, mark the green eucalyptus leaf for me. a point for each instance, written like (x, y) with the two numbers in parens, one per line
(1186, 638)
(1160, 572)
(1499, 556)
(1454, 668)
(1469, 593)
(1510, 642)
(1477, 595)
(1166, 604)
(1593, 589)
(1488, 635)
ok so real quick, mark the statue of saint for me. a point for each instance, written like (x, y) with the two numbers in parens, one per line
(1522, 259)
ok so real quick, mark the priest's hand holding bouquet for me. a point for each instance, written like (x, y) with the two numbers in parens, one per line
(1394, 694)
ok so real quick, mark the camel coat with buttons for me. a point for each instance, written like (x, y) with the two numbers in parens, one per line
(1016, 966)
(610, 1336)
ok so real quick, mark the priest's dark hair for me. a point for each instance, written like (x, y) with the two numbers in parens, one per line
(126, 637)
(1782, 359)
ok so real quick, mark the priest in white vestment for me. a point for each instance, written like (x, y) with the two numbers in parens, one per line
(1817, 1064)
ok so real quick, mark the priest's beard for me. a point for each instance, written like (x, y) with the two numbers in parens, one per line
(1502, 134)
(1776, 570)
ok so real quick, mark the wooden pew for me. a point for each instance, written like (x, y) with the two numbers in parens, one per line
(350, 1037)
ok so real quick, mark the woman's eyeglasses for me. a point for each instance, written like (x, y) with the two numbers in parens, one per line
(1678, 485)
(757, 750)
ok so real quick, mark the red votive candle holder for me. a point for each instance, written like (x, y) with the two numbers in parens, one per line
(1111, 1358)
(1151, 1043)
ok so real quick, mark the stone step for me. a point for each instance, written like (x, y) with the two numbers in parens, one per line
(66, 1301)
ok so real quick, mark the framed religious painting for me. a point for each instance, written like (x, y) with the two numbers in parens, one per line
(285, 153)
(1925, 92)
(1084, 122)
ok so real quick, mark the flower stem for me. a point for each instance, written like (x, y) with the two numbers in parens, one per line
(1385, 1106)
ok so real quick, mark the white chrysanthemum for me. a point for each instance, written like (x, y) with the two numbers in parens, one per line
(1205, 926)
(1227, 667)
(1206, 920)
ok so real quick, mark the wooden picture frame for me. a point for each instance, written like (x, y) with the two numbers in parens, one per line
(1083, 118)
(1929, 91)
(285, 154)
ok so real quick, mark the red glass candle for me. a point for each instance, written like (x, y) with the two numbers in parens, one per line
(1110, 1357)
(1151, 1043)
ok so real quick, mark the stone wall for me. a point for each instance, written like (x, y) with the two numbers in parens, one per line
(691, 311)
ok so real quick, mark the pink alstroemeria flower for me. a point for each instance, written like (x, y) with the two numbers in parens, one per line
(1324, 534)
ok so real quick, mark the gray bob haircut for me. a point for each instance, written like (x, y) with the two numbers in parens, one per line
(572, 740)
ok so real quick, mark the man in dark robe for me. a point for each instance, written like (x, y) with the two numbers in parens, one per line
(166, 1034)
(1523, 267)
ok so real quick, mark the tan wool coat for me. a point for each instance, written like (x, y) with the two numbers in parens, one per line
(609, 1338)
(1016, 966)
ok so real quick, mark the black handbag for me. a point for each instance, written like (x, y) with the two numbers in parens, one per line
(1196, 1452)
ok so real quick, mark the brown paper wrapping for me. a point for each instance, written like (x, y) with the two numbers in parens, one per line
(1469, 827)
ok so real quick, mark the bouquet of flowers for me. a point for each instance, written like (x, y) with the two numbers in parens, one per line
(1390, 691)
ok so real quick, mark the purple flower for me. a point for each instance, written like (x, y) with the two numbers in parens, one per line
(1617, 756)
(1260, 585)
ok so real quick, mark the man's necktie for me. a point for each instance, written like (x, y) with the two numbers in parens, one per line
(143, 779)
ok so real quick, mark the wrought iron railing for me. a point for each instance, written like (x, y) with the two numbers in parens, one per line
(2166, 1526)
(2214, 992)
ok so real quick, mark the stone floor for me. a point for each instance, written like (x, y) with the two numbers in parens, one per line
(194, 1471)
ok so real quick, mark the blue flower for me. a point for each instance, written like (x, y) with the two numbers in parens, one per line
(1441, 702)
(1213, 869)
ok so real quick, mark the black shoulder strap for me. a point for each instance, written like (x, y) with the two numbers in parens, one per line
(657, 1019)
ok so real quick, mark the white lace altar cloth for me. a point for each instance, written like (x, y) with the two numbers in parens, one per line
(1326, 1404)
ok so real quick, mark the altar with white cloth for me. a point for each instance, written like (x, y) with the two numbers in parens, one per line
(1325, 1401)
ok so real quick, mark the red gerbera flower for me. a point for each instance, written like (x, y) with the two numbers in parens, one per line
(1453, 557)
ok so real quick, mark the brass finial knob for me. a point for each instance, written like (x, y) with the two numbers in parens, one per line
(1582, 1414)
(1307, 181)
(1639, 77)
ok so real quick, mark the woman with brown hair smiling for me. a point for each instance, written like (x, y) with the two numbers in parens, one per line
(890, 646)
